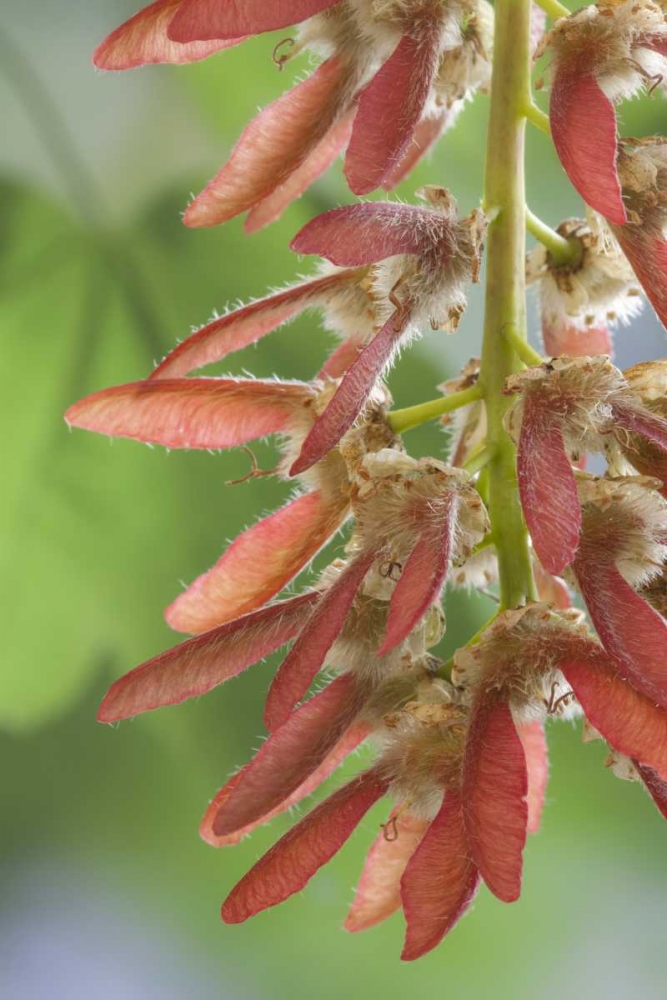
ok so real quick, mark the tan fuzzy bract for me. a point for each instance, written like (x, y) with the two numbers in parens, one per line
(355, 650)
(468, 424)
(621, 766)
(609, 37)
(598, 288)
(466, 68)
(626, 516)
(401, 494)
(649, 381)
(334, 473)
(642, 170)
(421, 749)
(433, 285)
(655, 592)
(580, 391)
(519, 654)
(477, 572)
(629, 453)
(351, 312)
(383, 21)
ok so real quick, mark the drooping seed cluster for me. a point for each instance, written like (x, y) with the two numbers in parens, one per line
(460, 746)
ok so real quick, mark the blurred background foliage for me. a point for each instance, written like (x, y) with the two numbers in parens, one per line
(108, 891)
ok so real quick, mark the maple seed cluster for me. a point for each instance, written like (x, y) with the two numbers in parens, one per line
(460, 747)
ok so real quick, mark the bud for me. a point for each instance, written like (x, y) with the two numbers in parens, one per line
(566, 408)
(416, 34)
(512, 674)
(421, 759)
(624, 529)
(518, 659)
(425, 258)
(642, 169)
(412, 517)
(529, 663)
(464, 71)
(603, 54)
(632, 452)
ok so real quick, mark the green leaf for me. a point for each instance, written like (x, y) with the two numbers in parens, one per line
(96, 536)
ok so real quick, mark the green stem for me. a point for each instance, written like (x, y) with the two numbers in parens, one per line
(528, 354)
(537, 117)
(479, 459)
(553, 9)
(413, 416)
(505, 288)
(482, 485)
(485, 543)
(562, 251)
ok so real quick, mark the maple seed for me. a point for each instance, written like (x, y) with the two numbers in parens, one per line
(459, 748)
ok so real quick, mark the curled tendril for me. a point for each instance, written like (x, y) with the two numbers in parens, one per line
(553, 704)
(651, 80)
(389, 568)
(390, 829)
(255, 471)
(280, 59)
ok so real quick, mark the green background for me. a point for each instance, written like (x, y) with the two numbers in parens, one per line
(107, 890)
